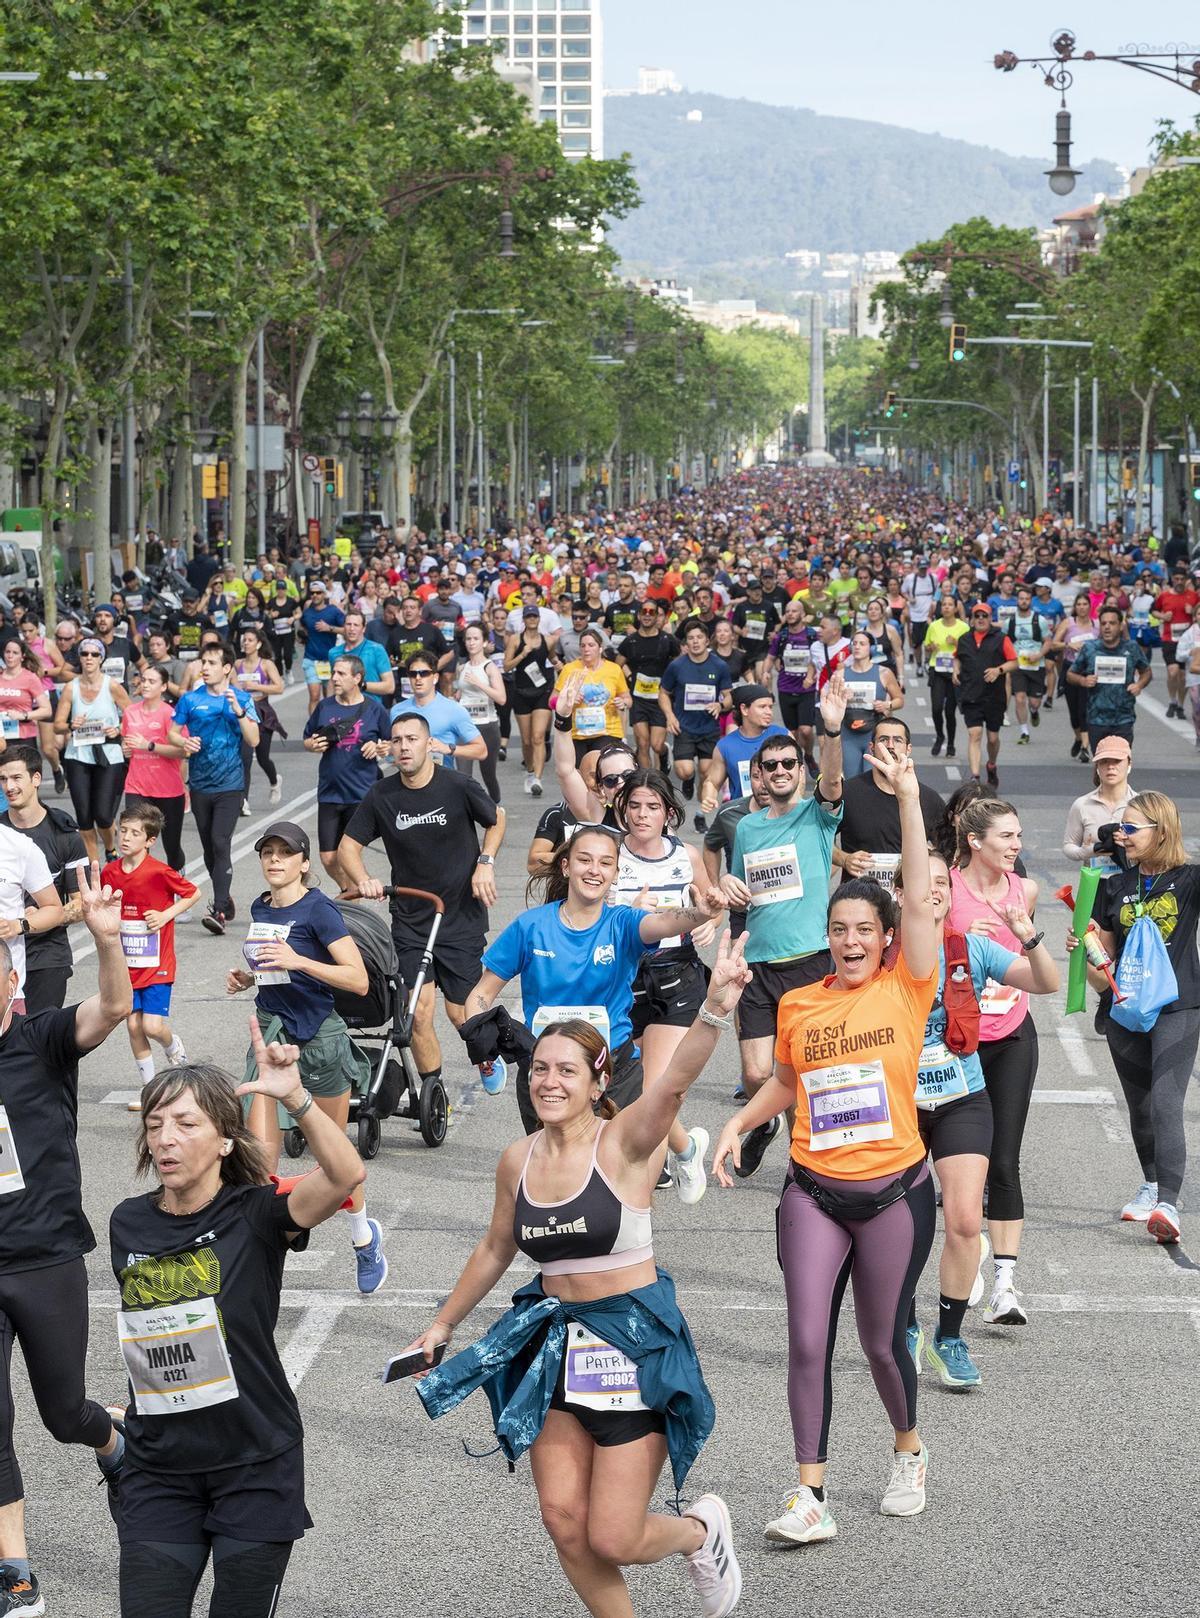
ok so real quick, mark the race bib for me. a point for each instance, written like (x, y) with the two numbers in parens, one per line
(796, 659)
(860, 694)
(12, 726)
(773, 875)
(589, 720)
(1027, 657)
(220, 618)
(943, 663)
(323, 668)
(698, 697)
(139, 944)
(997, 999)
(447, 628)
(176, 1357)
(535, 676)
(90, 733)
(847, 1105)
(756, 629)
(11, 1178)
(187, 656)
(476, 702)
(1110, 671)
(596, 1015)
(598, 1376)
(882, 869)
(940, 1076)
(744, 777)
(260, 932)
(646, 685)
(114, 668)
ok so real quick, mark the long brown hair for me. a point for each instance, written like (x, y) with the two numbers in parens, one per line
(213, 1092)
(599, 1057)
(550, 877)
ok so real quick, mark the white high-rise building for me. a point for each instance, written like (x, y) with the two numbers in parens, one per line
(561, 41)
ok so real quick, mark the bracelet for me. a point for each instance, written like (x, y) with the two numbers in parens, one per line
(304, 1107)
(713, 1021)
(561, 724)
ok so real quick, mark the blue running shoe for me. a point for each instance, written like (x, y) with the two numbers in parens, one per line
(915, 1338)
(371, 1260)
(493, 1075)
(948, 1356)
(740, 1093)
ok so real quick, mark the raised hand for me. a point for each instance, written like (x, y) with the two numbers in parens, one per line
(730, 974)
(833, 702)
(278, 1068)
(899, 773)
(101, 907)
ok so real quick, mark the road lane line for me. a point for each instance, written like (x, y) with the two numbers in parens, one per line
(1075, 1098)
(311, 1334)
(1075, 1051)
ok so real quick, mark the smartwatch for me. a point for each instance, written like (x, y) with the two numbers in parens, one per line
(152, 747)
(1032, 943)
(486, 859)
(25, 926)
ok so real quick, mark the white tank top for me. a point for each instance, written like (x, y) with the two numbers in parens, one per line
(669, 879)
(474, 695)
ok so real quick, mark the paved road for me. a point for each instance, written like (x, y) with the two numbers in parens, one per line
(1066, 1483)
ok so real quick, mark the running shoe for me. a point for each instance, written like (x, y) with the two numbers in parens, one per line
(112, 1480)
(1035, 717)
(664, 1181)
(527, 785)
(214, 920)
(1005, 1309)
(1085, 756)
(1163, 1223)
(1048, 705)
(993, 775)
(535, 787)
(948, 1356)
(1076, 745)
(20, 1594)
(936, 749)
(740, 1093)
(503, 753)
(700, 823)
(754, 1146)
(1142, 1204)
(493, 1075)
(276, 792)
(60, 782)
(688, 787)
(905, 1493)
(690, 1178)
(805, 1521)
(714, 1569)
(980, 1281)
(245, 808)
(914, 1336)
(1023, 739)
(951, 751)
(371, 1260)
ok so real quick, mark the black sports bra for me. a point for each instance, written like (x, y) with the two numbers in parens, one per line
(592, 1230)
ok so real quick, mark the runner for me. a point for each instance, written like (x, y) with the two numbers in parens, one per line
(1114, 671)
(378, 680)
(1173, 613)
(283, 615)
(596, 1454)
(152, 896)
(87, 723)
(154, 774)
(529, 668)
(47, 949)
(942, 636)
(215, 1469)
(299, 950)
(24, 702)
(258, 677)
(1104, 806)
(753, 709)
(920, 591)
(319, 625)
(754, 621)
(44, 1233)
(1028, 680)
(591, 691)
(453, 733)
(722, 831)
(858, 1200)
(872, 691)
(981, 660)
(695, 692)
(1071, 634)
(869, 830)
(645, 655)
(984, 886)
(49, 660)
(791, 653)
(349, 732)
(481, 691)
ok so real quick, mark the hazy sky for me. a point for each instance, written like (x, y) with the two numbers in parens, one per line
(925, 65)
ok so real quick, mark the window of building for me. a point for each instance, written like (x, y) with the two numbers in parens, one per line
(522, 5)
(577, 47)
(546, 47)
(576, 5)
(546, 70)
(549, 94)
(547, 5)
(577, 70)
(476, 26)
(477, 5)
(499, 5)
(576, 143)
(548, 115)
(500, 25)
(579, 96)
(522, 47)
(545, 25)
(522, 25)
(576, 120)
(576, 25)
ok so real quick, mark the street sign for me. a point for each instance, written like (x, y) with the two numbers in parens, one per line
(315, 475)
(1014, 471)
(312, 463)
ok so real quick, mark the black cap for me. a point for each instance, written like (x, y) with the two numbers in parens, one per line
(531, 611)
(190, 595)
(289, 834)
(748, 693)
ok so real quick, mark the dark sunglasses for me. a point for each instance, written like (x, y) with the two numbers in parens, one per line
(420, 674)
(773, 766)
(611, 781)
(1128, 828)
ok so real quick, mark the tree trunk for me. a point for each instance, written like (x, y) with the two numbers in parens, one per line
(1147, 403)
(100, 437)
(238, 380)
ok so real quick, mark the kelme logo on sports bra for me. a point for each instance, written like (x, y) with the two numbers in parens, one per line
(569, 1227)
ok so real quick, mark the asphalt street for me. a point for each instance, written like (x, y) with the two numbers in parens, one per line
(1065, 1484)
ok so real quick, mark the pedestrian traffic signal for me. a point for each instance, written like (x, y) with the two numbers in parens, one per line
(223, 480)
(958, 341)
(889, 402)
(1194, 477)
(329, 473)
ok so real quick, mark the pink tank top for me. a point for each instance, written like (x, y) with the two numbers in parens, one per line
(1002, 1010)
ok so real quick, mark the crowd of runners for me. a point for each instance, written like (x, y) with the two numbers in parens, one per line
(715, 695)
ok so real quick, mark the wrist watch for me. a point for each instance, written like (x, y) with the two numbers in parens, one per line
(1032, 943)
(152, 747)
(25, 929)
(486, 859)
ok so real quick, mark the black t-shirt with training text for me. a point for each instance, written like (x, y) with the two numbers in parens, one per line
(1172, 901)
(871, 818)
(41, 1220)
(430, 837)
(57, 835)
(200, 1298)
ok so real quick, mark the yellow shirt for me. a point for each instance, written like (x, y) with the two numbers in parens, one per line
(941, 639)
(596, 713)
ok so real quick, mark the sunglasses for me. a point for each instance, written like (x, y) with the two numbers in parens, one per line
(611, 781)
(420, 674)
(775, 766)
(91, 654)
(1128, 828)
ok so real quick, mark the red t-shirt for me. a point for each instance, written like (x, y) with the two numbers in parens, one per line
(1175, 610)
(151, 886)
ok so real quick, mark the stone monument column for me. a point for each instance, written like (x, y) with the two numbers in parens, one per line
(817, 454)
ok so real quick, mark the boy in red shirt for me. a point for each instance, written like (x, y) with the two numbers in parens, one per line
(152, 895)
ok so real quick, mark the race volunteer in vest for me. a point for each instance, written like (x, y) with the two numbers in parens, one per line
(211, 723)
(791, 653)
(779, 879)
(941, 643)
(1028, 681)
(983, 657)
(954, 1113)
(695, 692)
(984, 885)
(858, 1201)
(1114, 671)
(577, 956)
(43, 1232)
(753, 709)
(428, 820)
(645, 656)
(869, 832)
(214, 1444)
(594, 1369)
(48, 958)
(349, 732)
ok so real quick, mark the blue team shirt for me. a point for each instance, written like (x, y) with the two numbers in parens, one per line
(737, 751)
(320, 642)
(574, 972)
(682, 675)
(217, 767)
(448, 721)
(370, 654)
(941, 1075)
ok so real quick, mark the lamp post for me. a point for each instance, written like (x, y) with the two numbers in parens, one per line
(450, 319)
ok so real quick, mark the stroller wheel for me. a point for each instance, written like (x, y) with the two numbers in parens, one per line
(293, 1143)
(370, 1136)
(434, 1112)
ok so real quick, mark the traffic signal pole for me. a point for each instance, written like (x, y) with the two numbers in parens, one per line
(1045, 344)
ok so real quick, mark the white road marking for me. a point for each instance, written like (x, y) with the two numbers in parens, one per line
(921, 703)
(1158, 710)
(310, 1336)
(119, 1098)
(953, 773)
(1075, 1051)
(1075, 1098)
(312, 1259)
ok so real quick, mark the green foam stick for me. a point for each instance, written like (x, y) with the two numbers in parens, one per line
(1085, 899)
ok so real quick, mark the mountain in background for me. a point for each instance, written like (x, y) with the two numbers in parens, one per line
(725, 197)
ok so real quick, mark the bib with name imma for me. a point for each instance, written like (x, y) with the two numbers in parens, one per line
(847, 1105)
(176, 1357)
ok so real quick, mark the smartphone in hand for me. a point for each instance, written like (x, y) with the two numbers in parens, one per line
(409, 1364)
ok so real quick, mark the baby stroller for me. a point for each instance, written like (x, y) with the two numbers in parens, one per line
(380, 1023)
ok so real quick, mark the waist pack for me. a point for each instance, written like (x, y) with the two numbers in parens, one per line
(861, 1205)
(958, 997)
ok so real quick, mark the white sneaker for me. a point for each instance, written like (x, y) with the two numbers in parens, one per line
(689, 1176)
(1141, 1205)
(535, 787)
(905, 1493)
(1005, 1309)
(245, 808)
(179, 1059)
(1163, 1223)
(714, 1568)
(276, 792)
(136, 1104)
(528, 782)
(805, 1521)
(979, 1284)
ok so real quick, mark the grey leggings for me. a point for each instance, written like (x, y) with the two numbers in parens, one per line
(1154, 1069)
(487, 766)
(883, 1257)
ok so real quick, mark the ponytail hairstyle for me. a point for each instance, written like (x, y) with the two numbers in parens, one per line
(595, 1049)
(653, 781)
(550, 877)
(975, 821)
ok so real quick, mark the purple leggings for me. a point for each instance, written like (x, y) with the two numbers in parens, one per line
(884, 1256)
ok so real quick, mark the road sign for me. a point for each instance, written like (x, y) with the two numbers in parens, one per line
(314, 472)
(312, 463)
(1014, 471)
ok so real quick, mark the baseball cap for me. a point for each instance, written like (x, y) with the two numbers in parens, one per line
(531, 611)
(288, 833)
(1112, 747)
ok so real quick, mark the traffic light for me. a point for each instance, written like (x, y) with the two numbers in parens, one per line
(208, 482)
(1194, 478)
(223, 480)
(329, 473)
(958, 341)
(889, 402)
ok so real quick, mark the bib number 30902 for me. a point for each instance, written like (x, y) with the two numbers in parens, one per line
(176, 1357)
(599, 1376)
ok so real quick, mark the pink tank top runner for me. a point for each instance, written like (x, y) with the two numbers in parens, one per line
(1003, 1010)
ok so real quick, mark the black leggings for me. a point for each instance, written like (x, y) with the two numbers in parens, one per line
(216, 816)
(263, 754)
(945, 707)
(1009, 1068)
(160, 1579)
(172, 834)
(487, 766)
(1077, 696)
(46, 1311)
(1154, 1069)
(95, 791)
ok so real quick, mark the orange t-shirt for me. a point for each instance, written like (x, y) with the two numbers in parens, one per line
(855, 1053)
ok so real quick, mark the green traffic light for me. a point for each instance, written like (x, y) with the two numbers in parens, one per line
(959, 354)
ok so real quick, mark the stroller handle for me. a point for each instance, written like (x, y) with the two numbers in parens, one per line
(390, 892)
